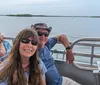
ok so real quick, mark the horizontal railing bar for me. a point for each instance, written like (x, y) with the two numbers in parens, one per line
(9, 38)
(85, 39)
(78, 54)
(88, 44)
(56, 51)
(86, 55)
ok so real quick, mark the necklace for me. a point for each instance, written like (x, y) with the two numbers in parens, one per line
(26, 67)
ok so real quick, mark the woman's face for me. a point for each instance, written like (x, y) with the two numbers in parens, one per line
(27, 47)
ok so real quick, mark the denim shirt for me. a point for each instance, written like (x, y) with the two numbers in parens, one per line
(44, 70)
(7, 48)
(52, 75)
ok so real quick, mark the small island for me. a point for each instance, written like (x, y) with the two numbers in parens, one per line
(30, 15)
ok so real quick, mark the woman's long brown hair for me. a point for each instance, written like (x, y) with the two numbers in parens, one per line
(13, 71)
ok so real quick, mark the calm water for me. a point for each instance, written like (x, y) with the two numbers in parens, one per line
(74, 28)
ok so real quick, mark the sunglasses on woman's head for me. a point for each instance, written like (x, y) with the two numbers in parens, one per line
(26, 41)
(46, 34)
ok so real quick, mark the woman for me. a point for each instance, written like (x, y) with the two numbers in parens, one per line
(23, 66)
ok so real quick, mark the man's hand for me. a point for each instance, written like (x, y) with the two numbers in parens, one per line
(69, 56)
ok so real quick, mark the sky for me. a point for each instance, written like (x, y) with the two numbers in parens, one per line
(51, 7)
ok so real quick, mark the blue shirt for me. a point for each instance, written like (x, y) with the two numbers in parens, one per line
(7, 48)
(44, 70)
(52, 75)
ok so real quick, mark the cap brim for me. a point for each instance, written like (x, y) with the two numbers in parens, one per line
(48, 29)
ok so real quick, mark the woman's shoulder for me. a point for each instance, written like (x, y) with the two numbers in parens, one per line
(43, 66)
(41, 63)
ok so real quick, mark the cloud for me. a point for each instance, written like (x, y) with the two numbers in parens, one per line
(51, 7)
(12, 2)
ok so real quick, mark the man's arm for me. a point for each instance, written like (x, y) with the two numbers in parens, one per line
(64, 40)
(44, 80)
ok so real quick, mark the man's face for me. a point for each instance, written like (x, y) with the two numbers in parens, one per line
(43, 37)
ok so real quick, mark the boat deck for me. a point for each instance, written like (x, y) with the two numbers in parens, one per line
(87, 53)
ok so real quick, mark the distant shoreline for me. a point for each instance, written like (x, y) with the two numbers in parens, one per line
(30, 15)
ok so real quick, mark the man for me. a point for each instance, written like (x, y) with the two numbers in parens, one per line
(44, 47)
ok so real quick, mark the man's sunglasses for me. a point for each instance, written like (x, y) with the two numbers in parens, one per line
(26, 41)
(46, 34)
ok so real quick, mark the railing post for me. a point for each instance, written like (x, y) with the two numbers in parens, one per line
(63, 55)
(92, 55)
